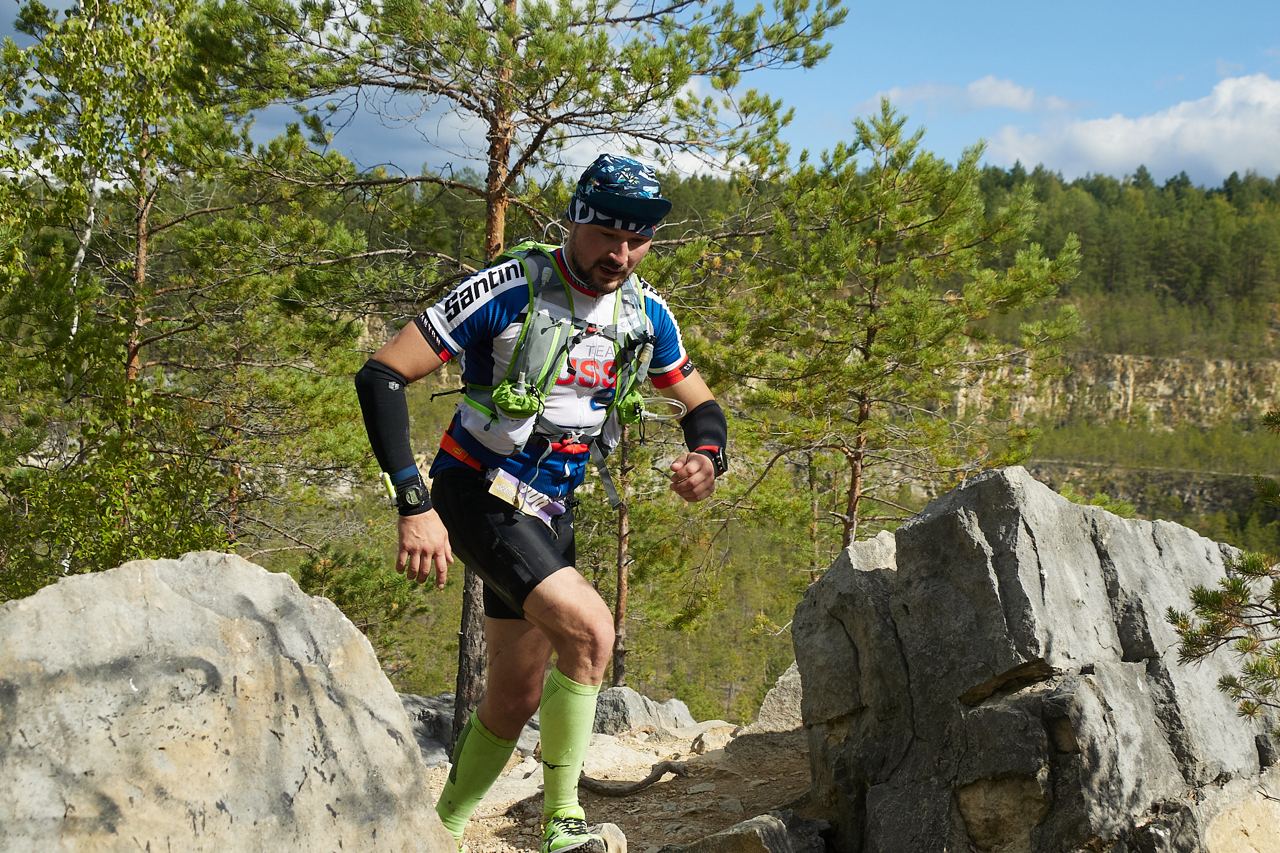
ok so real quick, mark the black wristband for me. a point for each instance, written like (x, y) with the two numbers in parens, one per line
(719, 461)
(707, 432)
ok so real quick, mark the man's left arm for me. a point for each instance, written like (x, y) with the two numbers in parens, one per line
(705, 434)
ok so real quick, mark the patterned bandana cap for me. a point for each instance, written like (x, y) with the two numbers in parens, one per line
(618, 192)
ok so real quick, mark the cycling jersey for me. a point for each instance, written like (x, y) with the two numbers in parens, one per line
(480, 320)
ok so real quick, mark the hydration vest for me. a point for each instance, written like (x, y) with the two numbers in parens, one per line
(548, 332)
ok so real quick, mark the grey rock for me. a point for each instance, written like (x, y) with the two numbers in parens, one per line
(849, 656)
(807, 835)
(780, 710)
(713, 737)
(761, 834)
(621, 709)
(432, 721)
(999, 675)
(201, 704)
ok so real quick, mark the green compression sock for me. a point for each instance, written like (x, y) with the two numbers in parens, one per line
(478, 758)
(566, 715)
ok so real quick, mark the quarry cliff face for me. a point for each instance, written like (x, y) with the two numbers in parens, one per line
(1163, 392)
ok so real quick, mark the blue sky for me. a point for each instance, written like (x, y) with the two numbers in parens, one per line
(1084, 87)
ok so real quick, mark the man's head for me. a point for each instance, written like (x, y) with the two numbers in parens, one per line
(613, 213)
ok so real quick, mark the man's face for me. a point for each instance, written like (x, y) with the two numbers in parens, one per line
(605, 257)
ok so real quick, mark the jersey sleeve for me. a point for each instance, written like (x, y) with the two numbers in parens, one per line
(478, 308)
(670, 361)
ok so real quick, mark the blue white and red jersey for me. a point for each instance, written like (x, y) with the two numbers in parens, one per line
(480, 320)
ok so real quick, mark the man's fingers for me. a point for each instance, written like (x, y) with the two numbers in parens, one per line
(442, 568)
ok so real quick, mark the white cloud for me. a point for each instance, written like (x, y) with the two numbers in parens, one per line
(993, 93)
(1234, 128)
(1226, 68)
(985, 93)
(902, 95)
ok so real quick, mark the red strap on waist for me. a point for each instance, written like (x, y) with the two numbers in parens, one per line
(448, 445)
(571, 447)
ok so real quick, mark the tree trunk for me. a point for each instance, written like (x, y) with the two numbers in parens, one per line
(141, 247)
(851, 500)
(471, 649)
(814, 569)
(471, 654)
(623, 568)
(233, 499)
(499, 137)
(857, 458)
(133, 347)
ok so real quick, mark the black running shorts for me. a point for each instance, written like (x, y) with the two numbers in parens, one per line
(511, 551)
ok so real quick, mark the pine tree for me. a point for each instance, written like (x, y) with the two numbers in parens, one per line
(1243, 614)
(535, 78)
(165, 383)
(857, 325)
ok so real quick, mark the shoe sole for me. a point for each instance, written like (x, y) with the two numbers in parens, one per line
(592, 845)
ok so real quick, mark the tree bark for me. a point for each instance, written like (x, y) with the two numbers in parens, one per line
(471, 654)
(471, 647)
(857, 456)
(623, 569)
(853, 497)
(499, 136)
(133, 348)
(811, 458)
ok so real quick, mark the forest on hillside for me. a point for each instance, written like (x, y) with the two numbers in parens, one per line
(1168, 269)
(182, 309)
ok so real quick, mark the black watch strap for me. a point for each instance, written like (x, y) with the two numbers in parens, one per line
(412, 497)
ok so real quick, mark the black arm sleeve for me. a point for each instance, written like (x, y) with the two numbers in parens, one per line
(386, 419)
(706, 431)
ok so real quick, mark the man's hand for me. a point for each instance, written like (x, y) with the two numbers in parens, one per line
(693, 477)
(424, 547)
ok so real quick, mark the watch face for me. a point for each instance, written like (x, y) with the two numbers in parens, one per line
(412, 496)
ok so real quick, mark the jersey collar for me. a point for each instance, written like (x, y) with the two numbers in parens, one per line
(567, 273)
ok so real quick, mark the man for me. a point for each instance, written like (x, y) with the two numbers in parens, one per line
(553, 341)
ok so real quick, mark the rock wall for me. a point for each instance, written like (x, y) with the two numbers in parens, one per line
(1102, 387)
(201, 704)
(1000, 676)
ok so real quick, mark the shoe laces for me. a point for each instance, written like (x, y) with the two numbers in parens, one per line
(569, 825)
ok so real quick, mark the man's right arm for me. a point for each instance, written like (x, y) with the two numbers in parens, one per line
(478, 308)
(424, 542)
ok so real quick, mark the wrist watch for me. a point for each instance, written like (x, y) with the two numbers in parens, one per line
(411, 496)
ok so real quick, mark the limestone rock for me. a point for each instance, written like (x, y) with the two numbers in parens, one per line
(780, 710)
(432, 720)
(1127, 388)
(201, 704)
(712, 735)
(1251, 825)
(999, 675)
(761, 834)
(621, 709)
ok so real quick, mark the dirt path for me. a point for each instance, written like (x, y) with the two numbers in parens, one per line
(753, 775)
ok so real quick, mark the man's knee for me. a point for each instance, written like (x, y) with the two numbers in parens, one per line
(515, 703)
(597, 637)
